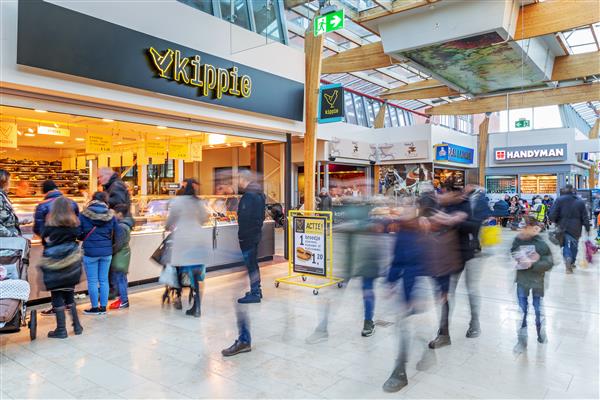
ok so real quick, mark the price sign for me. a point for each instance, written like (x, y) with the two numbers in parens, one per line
(98, 143)
(179, 151)
(310, 245)
(156, 149)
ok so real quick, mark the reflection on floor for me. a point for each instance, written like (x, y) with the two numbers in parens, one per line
(151, 351)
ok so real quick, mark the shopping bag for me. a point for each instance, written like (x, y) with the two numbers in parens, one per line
(490, 235)
(169, 277)
(590, 250)
(162, 255)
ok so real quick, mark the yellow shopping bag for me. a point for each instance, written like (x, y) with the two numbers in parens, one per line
(490, 235)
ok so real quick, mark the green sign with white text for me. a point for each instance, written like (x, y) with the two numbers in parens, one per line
(522, 123)
(329, 22)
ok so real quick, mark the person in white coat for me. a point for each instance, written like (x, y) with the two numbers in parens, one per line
(187, 215)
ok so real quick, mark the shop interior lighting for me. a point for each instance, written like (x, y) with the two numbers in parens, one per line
(19, 133)
(228, 144)
(108, 120)
(30, 130)
(59, 142)
(215, 138)
(161, 127)
(244, 144)
(55, 125)
(30, 134)
(39, 110)
(79, 139)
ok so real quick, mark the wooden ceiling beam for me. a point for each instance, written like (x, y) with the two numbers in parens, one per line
(426, 93)
(361, 58)
(551, 16)
(538, 98)
(426, 84)
(576, 66)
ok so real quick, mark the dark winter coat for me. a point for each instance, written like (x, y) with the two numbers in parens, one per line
(61, 258)
(533, 278)
(501, 209)
(466, 230)
(480, 206)
(43, 209)
(570, 213)
(117, 192)
(325, 203)
(251, 215)
(99, 242)
(120, 260)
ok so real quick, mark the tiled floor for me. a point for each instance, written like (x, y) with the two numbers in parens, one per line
(151, 351)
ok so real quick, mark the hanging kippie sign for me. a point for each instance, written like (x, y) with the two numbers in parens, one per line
(170, 64)
(331, 103)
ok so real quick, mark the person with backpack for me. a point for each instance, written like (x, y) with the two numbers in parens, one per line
(534, 259)
(61, 263)
(99, 230)
(570, 215)
(119, 264)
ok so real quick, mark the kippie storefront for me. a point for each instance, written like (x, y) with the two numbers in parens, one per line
(80, 92)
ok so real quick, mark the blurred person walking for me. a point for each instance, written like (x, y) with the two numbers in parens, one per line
(99, 230)
(324, 200)
(251, 215)
(187, 215)
(61, 263)
(119, 264)
(456, 217)
(9, 222)
(570, 215)
(534, 259)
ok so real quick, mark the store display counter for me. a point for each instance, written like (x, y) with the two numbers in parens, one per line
(222, 239)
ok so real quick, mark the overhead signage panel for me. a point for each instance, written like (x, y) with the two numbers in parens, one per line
(541, 153)
(77, 44)
(331, 103)
(329, 22)
(453, 153)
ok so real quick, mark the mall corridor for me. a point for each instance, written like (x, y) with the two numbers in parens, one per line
(149, 351)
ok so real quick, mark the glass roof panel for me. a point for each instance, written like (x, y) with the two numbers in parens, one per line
(579, 36)
(586, 48)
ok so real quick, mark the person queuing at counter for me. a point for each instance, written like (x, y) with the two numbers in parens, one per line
(251, 215)
(570, 215)
(51, 193)
(119, 264)
(9, 223)
(113, 185)
(98, 229)
(187, 215)
(61, 263)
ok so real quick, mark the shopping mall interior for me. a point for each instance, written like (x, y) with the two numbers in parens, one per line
(300, 199)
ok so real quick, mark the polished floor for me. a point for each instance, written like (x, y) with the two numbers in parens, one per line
(149, 351)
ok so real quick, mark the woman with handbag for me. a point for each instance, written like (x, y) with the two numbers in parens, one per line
(61, 263)
(187, 215)
(99, 230)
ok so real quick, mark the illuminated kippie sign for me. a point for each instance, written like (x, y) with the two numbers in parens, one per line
(170, 64)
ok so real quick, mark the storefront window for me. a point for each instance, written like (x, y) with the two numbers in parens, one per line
(236, 12)
(538, 184)
(501, 184)
(159, 175)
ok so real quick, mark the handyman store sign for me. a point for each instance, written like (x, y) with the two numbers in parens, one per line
(541, 153)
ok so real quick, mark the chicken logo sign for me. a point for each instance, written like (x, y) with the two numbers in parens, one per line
(331, 103)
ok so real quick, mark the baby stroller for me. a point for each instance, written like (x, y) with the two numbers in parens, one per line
(14, 287)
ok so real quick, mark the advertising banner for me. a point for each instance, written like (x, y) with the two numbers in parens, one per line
(8, 135)
(410, 150)
(539, 153)
(310, 245)
(97, 143)
(345, 148)
(454, 153)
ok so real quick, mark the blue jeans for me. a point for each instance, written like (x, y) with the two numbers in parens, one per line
(120, 281)
(250, 259)
(243, 323)
(96, 269)
(570, 248)
(368, 297)
(523, 297)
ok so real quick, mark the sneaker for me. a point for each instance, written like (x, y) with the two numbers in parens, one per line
(317, 336)
(236, 348)
(124, 305)
(249, 298)
(95, 311)
(474, 330)
(115, 305)
(368, 328)
(396, 381)
(440, 341)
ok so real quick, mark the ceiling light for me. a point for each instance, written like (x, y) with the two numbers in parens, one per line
(211, 146)
(30, 134)
(161, 127)
(244, 144)
(59, 142)
(108, 120)
(214, 138)
(30, 130)
(40, 111)
(157, 138)
(79, 139)
(228, 144)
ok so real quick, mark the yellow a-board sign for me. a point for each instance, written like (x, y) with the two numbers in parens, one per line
(98, 143)
(179, 151)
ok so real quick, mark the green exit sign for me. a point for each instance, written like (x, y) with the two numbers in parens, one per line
(329, 22)
(522, 123)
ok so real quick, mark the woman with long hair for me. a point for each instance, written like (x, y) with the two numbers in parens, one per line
(9, 223)
(61, 263)
(187, 215)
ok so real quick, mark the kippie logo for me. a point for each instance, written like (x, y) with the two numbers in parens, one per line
(209, 80)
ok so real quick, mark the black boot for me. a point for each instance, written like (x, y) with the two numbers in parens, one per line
(396, 381)
(541, 334)
(61, 331)
(177, 301)
(77, 328)
(195, 310)
(442, 339)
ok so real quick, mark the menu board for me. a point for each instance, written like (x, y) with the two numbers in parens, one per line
(310, 245)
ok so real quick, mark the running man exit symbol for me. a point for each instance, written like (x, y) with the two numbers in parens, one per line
(329, 22)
